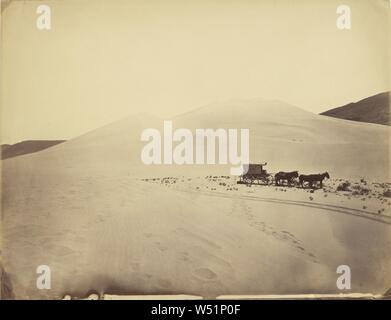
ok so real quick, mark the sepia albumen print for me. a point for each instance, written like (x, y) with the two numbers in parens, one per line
(203, 148)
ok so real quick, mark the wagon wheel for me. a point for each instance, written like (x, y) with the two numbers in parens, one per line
(248, 179)
(263, 180)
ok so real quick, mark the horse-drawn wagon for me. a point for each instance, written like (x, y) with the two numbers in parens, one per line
(256, 174)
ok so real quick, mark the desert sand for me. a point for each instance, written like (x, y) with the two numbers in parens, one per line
(105, 222)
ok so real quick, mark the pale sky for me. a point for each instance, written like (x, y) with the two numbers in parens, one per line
(105, 59)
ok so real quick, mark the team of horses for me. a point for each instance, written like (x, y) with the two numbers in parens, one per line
(304, 179)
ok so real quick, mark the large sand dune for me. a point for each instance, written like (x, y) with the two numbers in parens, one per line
(288, 137)
(81, 208)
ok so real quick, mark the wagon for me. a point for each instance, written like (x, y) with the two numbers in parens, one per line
(256, 175)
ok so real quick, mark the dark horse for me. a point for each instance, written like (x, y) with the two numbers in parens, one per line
(311, 178)
(288, 176)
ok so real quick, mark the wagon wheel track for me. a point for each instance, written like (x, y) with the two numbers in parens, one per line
(317, 205)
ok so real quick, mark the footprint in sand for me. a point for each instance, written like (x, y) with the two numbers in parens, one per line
(161, 247)
(205, 273)
(288, 233)
(184, 256)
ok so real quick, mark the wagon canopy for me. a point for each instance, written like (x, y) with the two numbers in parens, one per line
(255, 169)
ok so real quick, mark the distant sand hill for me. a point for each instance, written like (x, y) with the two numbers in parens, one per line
(375, 109)
(26, 147)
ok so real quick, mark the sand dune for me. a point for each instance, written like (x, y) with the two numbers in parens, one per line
(288, 137)
(375, 109)
(81, 208)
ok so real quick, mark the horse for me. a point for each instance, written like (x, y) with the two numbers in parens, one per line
(311, 178)
(288, 176)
